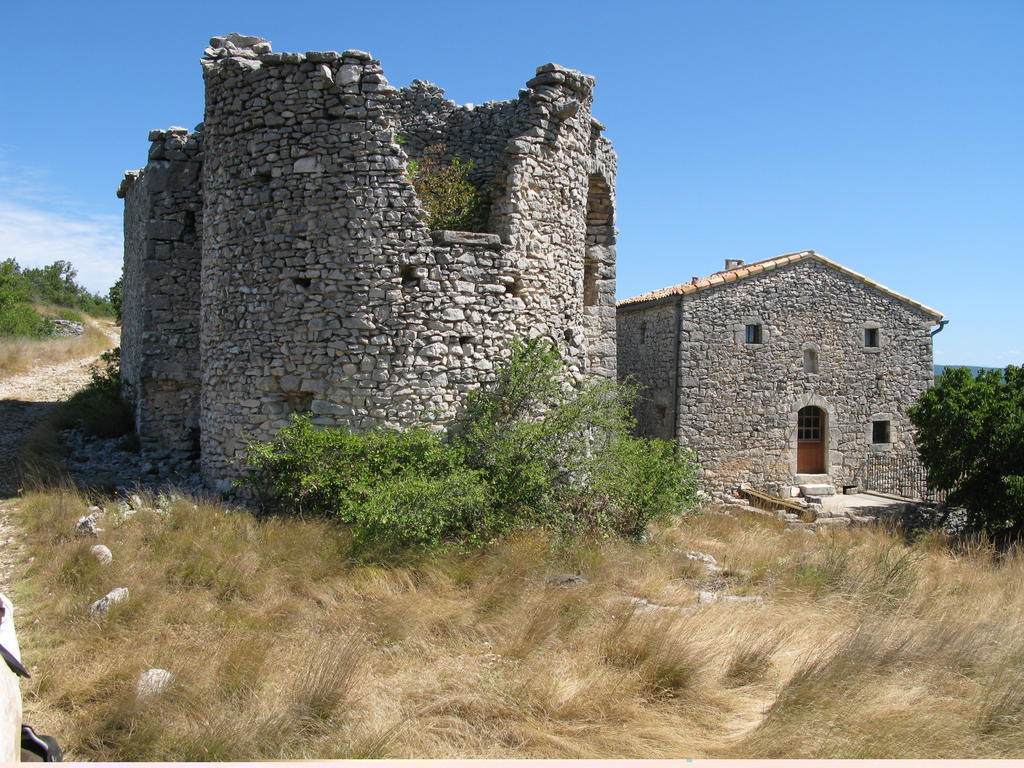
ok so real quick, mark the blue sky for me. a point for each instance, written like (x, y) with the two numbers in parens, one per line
(885, 135)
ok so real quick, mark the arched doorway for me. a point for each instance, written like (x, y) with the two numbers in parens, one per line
(810, 441)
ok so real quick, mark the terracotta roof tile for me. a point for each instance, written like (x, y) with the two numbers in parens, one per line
(757, 267)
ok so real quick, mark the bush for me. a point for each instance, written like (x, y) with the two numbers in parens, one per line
(399, 487)
(70, 314)
(563, 457)
(21, 320)
(447, 194)
(969, 435)
(529, 450)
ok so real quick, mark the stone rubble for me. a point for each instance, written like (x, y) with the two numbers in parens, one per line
(65, 328)
(87, 525)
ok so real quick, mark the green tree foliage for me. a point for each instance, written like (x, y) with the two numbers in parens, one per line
(529, 450)
(445, 191)
(17, 318)
(970, 435)
(114, 296)
(53, 284)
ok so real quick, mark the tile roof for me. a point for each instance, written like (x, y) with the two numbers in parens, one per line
(767, 265)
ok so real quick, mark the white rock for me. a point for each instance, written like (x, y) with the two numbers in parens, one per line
(752, 599)
(102, 553)
(86, 526)
(114, 596)
(152, 682)
(349, 74)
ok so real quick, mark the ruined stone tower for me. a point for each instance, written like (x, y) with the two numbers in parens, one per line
(277, 260)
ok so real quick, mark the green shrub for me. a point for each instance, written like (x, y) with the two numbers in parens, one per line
(397, 487)
(18, 319)
(969, 432)
(637, 480)
(528, 450)
(70, 314)
(445, 191)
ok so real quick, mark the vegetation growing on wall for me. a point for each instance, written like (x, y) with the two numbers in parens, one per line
(445, 191)
(528, 451)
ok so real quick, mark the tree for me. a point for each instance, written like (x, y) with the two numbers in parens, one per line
(114, 296)
(970, 436)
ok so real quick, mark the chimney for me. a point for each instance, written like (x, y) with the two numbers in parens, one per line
(733, 263)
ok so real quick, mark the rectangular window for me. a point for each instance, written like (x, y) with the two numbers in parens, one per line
(870, 337)
(753, 334)
(880, 432)
(810, 361)
(589, 283)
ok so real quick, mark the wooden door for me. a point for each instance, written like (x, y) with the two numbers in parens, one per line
(810, 441)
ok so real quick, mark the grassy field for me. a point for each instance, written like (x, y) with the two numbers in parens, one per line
(285, 646)
(20, 354)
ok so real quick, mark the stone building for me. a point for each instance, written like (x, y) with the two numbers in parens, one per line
(277, 260)
(788, 371)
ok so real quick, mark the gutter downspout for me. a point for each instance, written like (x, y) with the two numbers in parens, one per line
(937, 331)
(675, 378)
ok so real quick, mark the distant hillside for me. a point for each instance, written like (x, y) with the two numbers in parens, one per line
(973, 369)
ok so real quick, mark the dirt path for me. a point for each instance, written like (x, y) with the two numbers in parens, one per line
(25, 399)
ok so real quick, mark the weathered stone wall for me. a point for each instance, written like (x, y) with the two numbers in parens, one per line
(738, 402)
(160, 323)
(322, 289)
(648, 356)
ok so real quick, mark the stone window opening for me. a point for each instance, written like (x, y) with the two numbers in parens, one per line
(752, 334)
(881, 433)
(297, 402)
(810, 361)
(643, 331)
(409, 278)
(302, 282)
(600, 213)
(589, 283)
(194, 443)
(515, 288)
(871, 337)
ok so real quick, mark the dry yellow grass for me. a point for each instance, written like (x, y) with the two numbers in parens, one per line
(283, 646)
(19, 355)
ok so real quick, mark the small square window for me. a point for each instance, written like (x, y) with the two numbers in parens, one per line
(880, 432)
(753, 334)
(870, 337)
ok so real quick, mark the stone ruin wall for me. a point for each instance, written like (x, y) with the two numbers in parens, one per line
(322, 290)
(160, 318)
(738, 402)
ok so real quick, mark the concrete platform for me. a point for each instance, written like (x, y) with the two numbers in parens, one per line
(862, 505)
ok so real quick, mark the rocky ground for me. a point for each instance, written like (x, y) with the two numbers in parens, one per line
(24, 400)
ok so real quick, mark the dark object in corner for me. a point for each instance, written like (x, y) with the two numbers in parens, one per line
(36, 748)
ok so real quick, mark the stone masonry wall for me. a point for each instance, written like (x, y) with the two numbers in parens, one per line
(322, 290)
(160, 323)
(648, 357)
(738, 402)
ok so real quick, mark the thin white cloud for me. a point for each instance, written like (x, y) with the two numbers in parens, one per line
(35, 237)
